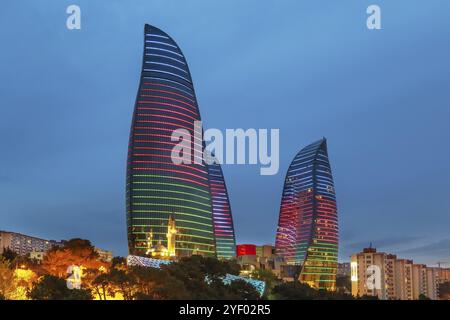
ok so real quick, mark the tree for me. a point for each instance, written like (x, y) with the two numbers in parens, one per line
(301, 291)
(154, 283)
(241, 289)
(76, 252)
(138, 283)
(121, 282)
(294, 291)
(170, 289)
(53, 288)
(24, 279)
(119, 263)
(7, 279)
(8, 254)
(268, 277)
(423, 297)
(202, 278)
(101, 285)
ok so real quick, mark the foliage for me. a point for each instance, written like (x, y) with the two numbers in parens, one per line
(293, 291)
(138, 283)
(157, 284)
(194, 277)
(74, 252)
(121, 282)
(202, 278)
(7, 279)
(423, 297)
(100, 286)
(300, 291)
(239, 289)
(24, 279)
(8, 254)
(119, 263)
(50, 287)
(268, 277)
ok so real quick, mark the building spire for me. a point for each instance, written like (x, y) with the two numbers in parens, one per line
(171, 236)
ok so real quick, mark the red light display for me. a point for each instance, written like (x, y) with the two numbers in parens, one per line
(246, 250)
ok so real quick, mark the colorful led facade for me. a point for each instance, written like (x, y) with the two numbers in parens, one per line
(245, 250)
(307, 233)
(223, 220)
(157, 188)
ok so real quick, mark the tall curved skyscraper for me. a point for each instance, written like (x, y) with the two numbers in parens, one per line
(158, 189)
(223, 220)
(307, 233)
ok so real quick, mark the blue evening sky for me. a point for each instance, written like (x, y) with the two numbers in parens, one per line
(310, 68)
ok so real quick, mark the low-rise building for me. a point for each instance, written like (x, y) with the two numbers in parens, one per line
(104, 255)
(251, 257)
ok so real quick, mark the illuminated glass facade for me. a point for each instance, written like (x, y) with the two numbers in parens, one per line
(156, 187)
(223, 221)
(307, 233)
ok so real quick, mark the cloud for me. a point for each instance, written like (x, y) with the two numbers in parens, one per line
(382, 243)
(439, 248)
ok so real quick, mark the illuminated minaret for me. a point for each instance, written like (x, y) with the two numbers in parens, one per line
(171, 234)
(150, 243)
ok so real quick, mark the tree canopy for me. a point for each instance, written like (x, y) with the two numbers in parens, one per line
(53, 288)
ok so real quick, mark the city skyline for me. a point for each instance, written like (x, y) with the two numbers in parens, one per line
(384, 121)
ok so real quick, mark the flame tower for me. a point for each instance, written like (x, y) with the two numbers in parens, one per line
(157, 189)
(223, 219)
(307, 233)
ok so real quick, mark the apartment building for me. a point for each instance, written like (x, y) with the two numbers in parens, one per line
(387, 277)
(23, 244)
